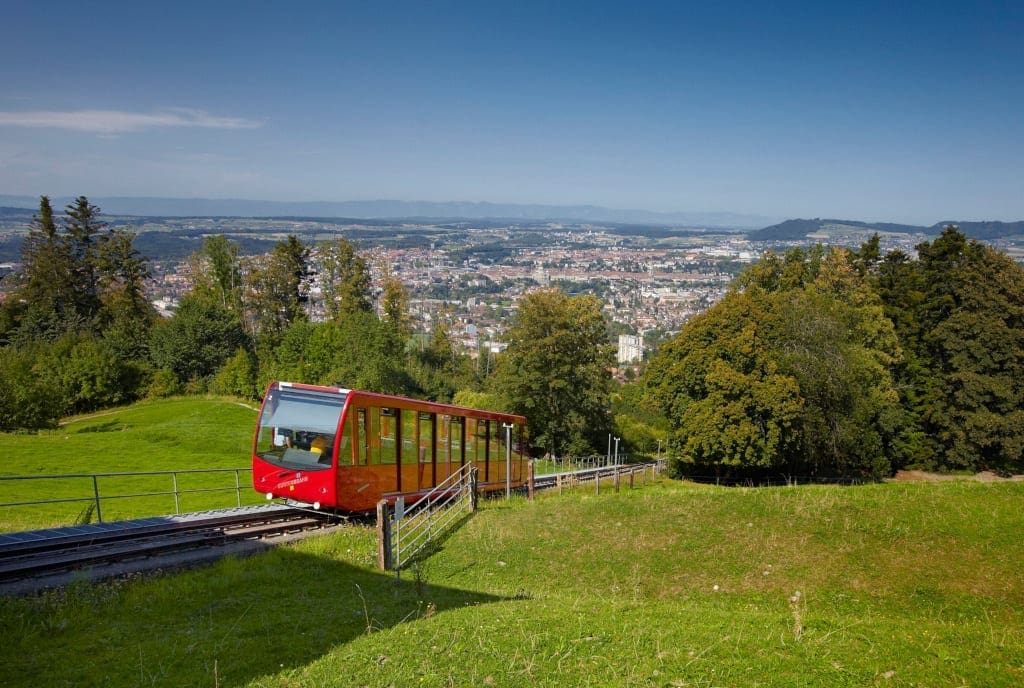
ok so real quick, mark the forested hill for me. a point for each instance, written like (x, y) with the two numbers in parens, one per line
(794, 230)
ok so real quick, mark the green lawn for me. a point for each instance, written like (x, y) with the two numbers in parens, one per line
(671, 584)
(158, 435)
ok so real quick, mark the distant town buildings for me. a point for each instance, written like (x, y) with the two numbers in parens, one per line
(631, 348)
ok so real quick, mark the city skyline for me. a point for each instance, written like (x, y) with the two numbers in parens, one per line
(907, 113)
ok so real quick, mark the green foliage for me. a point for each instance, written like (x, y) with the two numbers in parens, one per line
(556, 372)
(237, 377)
(163, 383)
(793, 373)
(639, 421)
(91, 374)
(29, 396)
(478, 400)
(197, 341)
(357, 351)
(345, 279)
(276, 293)
(959, 309)
(79, 319)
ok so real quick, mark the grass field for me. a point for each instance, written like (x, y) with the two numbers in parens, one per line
(158, 435)
(672, 584)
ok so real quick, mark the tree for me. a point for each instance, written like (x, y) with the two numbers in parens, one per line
(395, 306)
(791, 371)
(48, 287)
(217, 273)
(358, 351)
(727, 402)
(556, 371)
(28, 397)
(197, 341)
(959, 309)
(345, 279)
(126, 315)
(276, 294)
(83, 225)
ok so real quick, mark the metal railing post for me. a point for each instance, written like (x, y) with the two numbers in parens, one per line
(96, 495)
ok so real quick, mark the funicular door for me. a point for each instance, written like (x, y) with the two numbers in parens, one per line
(425, 431)
(442, 453)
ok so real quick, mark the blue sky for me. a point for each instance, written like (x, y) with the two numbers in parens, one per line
(898, 111)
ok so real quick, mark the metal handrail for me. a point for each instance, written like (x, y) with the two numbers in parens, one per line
(97, 498)
(430, 515)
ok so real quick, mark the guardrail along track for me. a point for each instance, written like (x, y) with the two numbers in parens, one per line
(46, 558)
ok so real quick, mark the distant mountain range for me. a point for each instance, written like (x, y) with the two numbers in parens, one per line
(796, 230)
(427, 212)
(405, 210)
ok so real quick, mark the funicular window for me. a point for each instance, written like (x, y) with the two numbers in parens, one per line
(426, 452)
(373, 436)
(480, 440)
(457, 439)
(443, 427)
(496, 451)
(362, 436)
(298, 427)
(470, 440)
(427, 471)
(517, 451)
(388, 434)
(408, 436)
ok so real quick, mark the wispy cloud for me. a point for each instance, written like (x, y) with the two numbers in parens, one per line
(120, 122)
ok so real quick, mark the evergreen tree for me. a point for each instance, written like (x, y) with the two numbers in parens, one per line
(82, 225)
(48, 287)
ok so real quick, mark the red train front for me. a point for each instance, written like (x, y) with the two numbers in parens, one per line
(346, 449)
(293, 452)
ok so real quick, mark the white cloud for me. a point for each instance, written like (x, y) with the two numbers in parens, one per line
(119, 122)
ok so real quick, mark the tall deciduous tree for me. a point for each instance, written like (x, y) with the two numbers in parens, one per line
(197, 341)
(345, 279)
(791, 371)
(276, 289)
(557, 371)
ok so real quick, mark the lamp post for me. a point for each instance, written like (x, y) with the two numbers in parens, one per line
(616, 451)
(508, 459)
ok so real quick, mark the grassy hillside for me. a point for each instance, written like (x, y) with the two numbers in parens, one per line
(157, 435)
(670, 585)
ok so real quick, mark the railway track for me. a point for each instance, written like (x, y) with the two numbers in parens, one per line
(589, 475)
(41, 559)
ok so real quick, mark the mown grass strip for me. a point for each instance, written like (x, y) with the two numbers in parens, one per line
(157, 435)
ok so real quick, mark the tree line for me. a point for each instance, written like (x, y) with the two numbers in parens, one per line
(78, 334)
(837, 362)
(826, 362)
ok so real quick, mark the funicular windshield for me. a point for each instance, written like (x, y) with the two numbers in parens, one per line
(298, 426)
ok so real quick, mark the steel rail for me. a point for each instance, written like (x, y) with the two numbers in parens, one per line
(62, 555)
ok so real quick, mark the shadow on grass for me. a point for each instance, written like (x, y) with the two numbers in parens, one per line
(436, 543)
(109, 426)
(227, 625)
